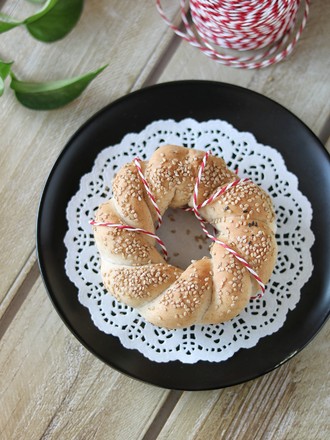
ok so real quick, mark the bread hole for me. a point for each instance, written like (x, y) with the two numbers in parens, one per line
(184, 239)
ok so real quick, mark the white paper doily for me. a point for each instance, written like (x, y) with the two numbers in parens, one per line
(185, 241)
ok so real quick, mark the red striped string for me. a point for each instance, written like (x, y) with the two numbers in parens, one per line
(137, 163)
(223, 189)
(203, 223)
(268, 26)
(195, 209)
(131, 228)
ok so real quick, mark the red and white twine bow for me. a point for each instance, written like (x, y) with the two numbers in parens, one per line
(195, 209)
(268, 26)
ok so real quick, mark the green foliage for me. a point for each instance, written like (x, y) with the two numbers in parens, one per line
(52, 94)
(53, 21)
(4, 72)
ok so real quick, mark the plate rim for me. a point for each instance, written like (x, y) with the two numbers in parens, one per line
(41, 263)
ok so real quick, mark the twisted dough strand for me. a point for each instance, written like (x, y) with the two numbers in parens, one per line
(211, 290)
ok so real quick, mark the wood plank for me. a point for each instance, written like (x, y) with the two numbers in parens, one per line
(18, 293)
(52, 387)
(288, 403)
(118, 33)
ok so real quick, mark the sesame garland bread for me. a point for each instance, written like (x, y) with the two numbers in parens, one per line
(211, 290)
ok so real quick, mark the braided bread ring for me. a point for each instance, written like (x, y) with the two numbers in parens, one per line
(211, 290)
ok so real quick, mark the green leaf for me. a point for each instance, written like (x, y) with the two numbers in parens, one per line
(48, 6)
(7, 23)
(4, 72)
(58, 20)
(52, 22)
(5, 68)
(53, 94)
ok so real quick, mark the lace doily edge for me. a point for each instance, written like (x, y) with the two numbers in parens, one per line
(127, 343)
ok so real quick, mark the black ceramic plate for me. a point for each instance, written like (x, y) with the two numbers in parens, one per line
(202, 100)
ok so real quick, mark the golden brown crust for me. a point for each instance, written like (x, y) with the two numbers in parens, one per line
(231, 287)
(130, 198)
(186, 301)
(246, 201)
(131, 284)
(120, 246)
(211, 290)
(254, 241)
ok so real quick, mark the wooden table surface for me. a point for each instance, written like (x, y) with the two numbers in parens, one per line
(51, 386)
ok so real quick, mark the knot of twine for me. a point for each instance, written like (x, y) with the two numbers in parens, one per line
(270, 27)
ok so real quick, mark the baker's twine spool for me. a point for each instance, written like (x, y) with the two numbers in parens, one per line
(195, 209)
(269, 27)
